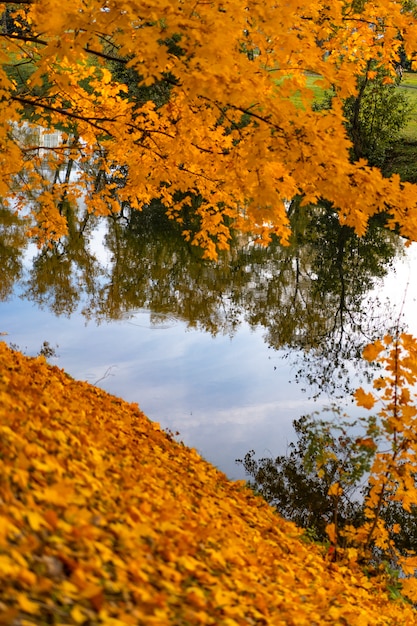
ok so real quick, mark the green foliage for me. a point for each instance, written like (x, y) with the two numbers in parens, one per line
(335, 269)
(297, 484)
(12, 245)
(139, 93)
(329, 452)
(342, 261)
(401, 159)
(375, 118)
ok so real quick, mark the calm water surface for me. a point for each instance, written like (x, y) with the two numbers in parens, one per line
(225, 393)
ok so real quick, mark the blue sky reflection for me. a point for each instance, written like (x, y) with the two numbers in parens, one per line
(225, 396)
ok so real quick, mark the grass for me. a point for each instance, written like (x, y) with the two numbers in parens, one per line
(409, 83)
(318, 92)
(402, 159)
(402, 156)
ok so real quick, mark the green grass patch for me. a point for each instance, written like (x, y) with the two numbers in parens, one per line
(402, 159)
(409, 79)
(409, 85)
(311, 83)
(319, 92)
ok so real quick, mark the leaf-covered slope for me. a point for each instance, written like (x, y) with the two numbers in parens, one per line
(105, 520)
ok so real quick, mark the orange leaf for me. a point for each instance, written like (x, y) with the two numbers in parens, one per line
(368, 442)
(8, 616)
(51, 518)
(331, 532)
(372, 350)
(335, 490)
(367, 400)
(97, 601)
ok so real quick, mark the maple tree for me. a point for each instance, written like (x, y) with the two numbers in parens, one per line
(394, 470)
(328, 462)
(104, 519)
(225, 128)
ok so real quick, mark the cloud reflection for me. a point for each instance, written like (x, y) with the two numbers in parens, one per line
(223, 395)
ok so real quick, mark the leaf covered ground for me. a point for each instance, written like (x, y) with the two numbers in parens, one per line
(105, 520)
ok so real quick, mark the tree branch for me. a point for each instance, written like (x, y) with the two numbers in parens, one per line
(65, 112)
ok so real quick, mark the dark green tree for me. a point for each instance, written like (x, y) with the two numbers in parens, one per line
(297, 483)
(376, 116)
(312, 297)
(325, 452)
(65, 270)
(12, 245)
(139, 92)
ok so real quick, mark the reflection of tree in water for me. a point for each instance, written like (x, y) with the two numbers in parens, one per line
(153, 267)
(12, 245)
(66, 271)
(326, 310)
(309, 297)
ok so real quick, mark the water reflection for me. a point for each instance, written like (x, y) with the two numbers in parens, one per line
(65, 273)
(311, 297)
(12, 245)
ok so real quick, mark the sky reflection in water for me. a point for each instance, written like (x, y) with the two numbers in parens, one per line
(225, 396)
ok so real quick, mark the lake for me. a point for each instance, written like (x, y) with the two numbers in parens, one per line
(198, 346)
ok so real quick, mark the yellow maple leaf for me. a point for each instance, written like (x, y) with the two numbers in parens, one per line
(58, 494)
(27, 605)
(367, 400)
(35, 520)
(335, 490)
(77, 615)
(372, 350)
(409, 588)
(331, 532)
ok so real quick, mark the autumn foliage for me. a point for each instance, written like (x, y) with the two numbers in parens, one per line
(225, 130)
(105, 520)
(393, 474)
